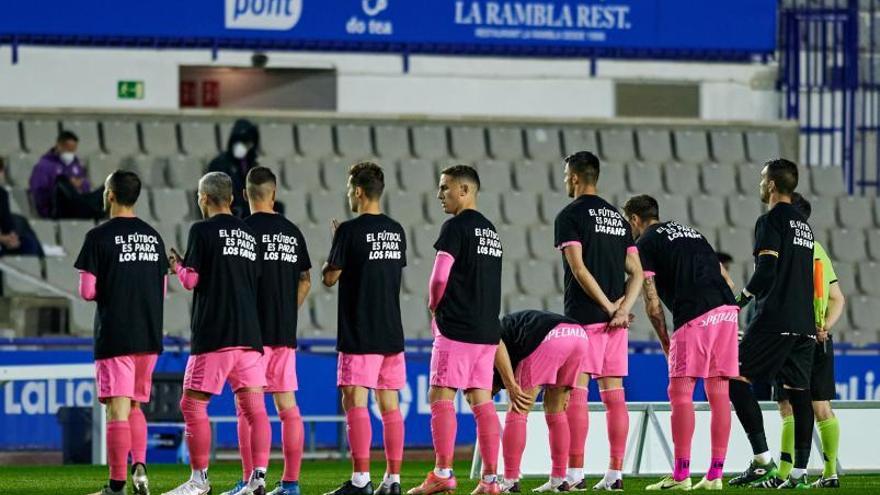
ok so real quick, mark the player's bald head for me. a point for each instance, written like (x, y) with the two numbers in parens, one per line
(261, 184)
(216, 187)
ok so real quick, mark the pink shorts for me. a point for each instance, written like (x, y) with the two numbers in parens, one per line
(280, 366)
(243, 367)
(374, 371)
(557, 361)
(125, 376)
(707, 345)
(607, 351)
(461, 365)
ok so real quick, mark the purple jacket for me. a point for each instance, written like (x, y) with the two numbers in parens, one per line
(42, 183)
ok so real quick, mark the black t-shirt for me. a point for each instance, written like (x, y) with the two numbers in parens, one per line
(371, 251)
(468, 311)
(787, 307)
(127, 257)
(604, 237)
(686, 270)
(283, 257)
(223, 250)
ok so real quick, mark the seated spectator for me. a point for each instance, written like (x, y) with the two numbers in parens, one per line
(59, 186)
(240, 156)
(16, 235)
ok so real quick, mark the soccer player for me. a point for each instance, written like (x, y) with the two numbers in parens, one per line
(780, 340)
(367, 257)
(283, 286)
(682, 270)
(828, 303)
(123, 268)
(598, 252)
(464, 295)
(222, 269)
(538, 350)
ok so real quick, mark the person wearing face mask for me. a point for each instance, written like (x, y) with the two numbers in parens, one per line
(240, 156)
(59, 161)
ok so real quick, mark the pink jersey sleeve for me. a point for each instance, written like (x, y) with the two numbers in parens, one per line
(439, 276)
(88, 286)
(188, 277)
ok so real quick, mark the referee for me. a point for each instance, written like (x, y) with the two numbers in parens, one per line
(779, 342)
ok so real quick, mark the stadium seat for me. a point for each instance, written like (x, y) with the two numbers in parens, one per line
(354, 141)
(682, 179)
(877, 211)
(640, 329)
(392, 143)
(642, 178)
(520, 209)
(61, 273)
(612, 178)
(72, 234)
(762, 146)
(421, 241)
(160, 138)
(673, 207)
(717, 179)
(736, 242)
(468, 143)
(821, 236)
(495, 175)
(823, 215)
(864, 312)
(869, 278)
(536, 277)
(171, 205)
(873, 243)
(198, 138)
(406, 208)
(87, 132)
(302, 174)
(827, 181)
(276, 140)
(429, 142)
(520, 302)
(183, 230)
(554, 303)
(691, 146)
(10, 138)
(46, 230)
(19, 168)
(417, 274)
(334, 173)
(749, 179)
(183, 172)
(489, 204)
(415, 316)
(296, 205)
(854, 212)
(81, 317)
(737, 273)
(506, 143)
(542, 144)
(728, 146)
(707, 212)
(325, 206)
(540, 241)
(318, 240)
(417, 175)
(168, 232)
(121, 137)
(655, 145)
(743, 211)
(325, 306)
(434, 211)
(848, 245)
(176, 316)
(314, 140)
(39, 135)
(513, 242)
(861, 338)
(30, 265)
(551, 204)
(617, 145)
(532, 176)
(576, 139)
(846, 277)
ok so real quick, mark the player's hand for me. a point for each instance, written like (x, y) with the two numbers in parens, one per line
(743, 299)
(619, 319)
(334, 224)
(174, 259)
(519, 400)
(613, 307)
(821, 335)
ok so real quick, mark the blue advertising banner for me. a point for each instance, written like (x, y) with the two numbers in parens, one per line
(552, 27)
(29, 407)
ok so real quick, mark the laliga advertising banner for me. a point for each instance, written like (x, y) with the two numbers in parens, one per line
(460, 26)
(28, 408)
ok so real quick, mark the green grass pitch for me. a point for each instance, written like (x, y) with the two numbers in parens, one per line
(317, 477)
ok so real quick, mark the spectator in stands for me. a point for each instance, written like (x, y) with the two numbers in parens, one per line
(59, 162)
(16, 235)
(240, 156)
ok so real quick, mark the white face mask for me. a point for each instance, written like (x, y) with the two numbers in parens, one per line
(68, 157)
(239, 150)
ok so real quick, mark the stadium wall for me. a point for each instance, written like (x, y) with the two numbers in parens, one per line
(87, 78)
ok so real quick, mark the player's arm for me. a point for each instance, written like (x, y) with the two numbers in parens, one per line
(332, 269)
(655, 313)
(518, 399)
(574, 257)
(439, 277)
(330, 274)
(763, 278)
(88, 286)
(303, 287)
(836, 302)
(634, 283)
(726, 275)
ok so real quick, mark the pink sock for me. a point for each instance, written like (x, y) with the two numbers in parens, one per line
(118, 447)
(617, 419)
(253, 406)
(488, 435)
(578, 425)
(292, 436)
(681, 392)
(360, 434)
(513, 442)
(560, 441)
(198, 431)
(138, 424)
(443, 427)
(245, 449)
(718, 393)
(392, 435)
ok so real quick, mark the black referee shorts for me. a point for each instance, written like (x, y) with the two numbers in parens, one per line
(765, 356)
(822, 386)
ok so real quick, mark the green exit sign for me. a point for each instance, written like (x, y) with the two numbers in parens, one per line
(130, 90)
